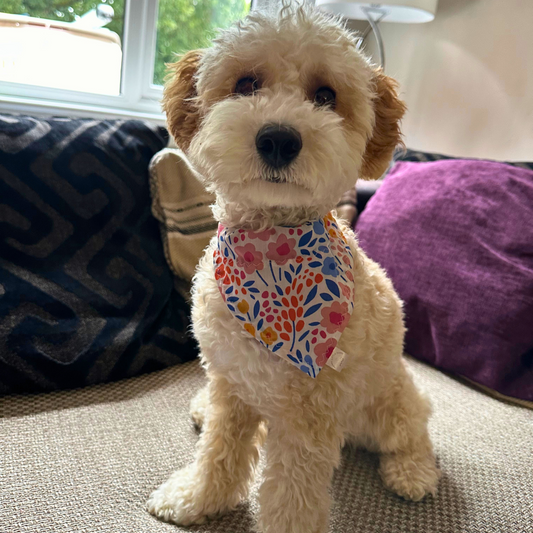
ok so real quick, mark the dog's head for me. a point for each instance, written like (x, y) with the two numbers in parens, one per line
(283, 113)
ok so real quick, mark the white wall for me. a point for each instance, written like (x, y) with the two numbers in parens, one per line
(467, 78)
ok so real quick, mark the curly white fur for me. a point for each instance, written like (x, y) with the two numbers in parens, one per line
(373, 400)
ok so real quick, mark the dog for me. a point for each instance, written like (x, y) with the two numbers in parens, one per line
(281, 116)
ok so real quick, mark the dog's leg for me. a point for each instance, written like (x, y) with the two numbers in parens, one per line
(227, 453)
(398, 424)
(301, 454)
(199, 405)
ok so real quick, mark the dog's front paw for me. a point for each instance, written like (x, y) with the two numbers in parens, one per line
(178, 500)
(409, 476)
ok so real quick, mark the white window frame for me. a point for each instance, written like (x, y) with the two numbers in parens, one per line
(139, 97)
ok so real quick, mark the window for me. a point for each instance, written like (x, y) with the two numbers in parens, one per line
(66, 47)
(107, 57)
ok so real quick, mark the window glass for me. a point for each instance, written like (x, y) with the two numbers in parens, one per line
(184, 25)
(74, 45)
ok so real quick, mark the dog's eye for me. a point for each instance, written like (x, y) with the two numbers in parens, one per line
(246, 86)
(325, 96)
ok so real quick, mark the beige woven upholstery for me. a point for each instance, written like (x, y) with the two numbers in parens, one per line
(86, 460)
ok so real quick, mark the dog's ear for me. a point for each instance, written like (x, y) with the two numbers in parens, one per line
(386, 135)
(179, 98)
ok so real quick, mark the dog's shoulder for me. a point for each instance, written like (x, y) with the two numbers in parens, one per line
(204, 283)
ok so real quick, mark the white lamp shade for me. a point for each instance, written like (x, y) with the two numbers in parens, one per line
(396, 10)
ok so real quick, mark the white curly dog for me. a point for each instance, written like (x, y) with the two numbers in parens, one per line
(330, 117)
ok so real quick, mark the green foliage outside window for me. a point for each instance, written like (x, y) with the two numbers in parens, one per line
(182, 24)
(189, 24)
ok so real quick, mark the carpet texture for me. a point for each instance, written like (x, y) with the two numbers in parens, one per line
(86, 461)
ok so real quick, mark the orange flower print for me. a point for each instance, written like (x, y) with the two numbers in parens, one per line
(250, 329)
(243, 307)
(269, 336)
(220, 272)
(282, 250)
(249, 258)
(334, 318)
(329, 219)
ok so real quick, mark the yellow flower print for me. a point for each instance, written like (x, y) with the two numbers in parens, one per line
(269, 336)
(250, 329)
(243, 306)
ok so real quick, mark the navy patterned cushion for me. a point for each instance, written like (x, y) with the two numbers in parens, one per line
(85, 292)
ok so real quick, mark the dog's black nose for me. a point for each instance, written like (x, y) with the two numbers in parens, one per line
(278, 145)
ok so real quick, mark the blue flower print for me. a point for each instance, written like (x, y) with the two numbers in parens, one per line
(330, 267)
(318, 227)
(305, 369)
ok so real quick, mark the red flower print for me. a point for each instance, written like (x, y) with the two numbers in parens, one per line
(262, 235)
(335, 317)
(249, 258)
(346, 291)
(323, 351)
(282, 250)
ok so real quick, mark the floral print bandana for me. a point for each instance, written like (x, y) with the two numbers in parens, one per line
(291, 288)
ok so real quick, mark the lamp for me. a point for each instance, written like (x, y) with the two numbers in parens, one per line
(407, 11)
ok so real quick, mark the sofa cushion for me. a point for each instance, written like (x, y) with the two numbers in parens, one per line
(456, 238)
(85, 293)
(419, 156)
(183, 207)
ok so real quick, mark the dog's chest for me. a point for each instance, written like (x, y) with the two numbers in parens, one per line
(227, 347)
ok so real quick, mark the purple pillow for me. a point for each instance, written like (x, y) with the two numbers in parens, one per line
(456, 238)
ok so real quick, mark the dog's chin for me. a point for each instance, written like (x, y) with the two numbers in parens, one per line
(272, 191)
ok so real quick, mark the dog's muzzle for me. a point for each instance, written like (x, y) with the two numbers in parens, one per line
(278, 145)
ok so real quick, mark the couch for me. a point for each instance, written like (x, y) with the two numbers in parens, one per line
(83, 454)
